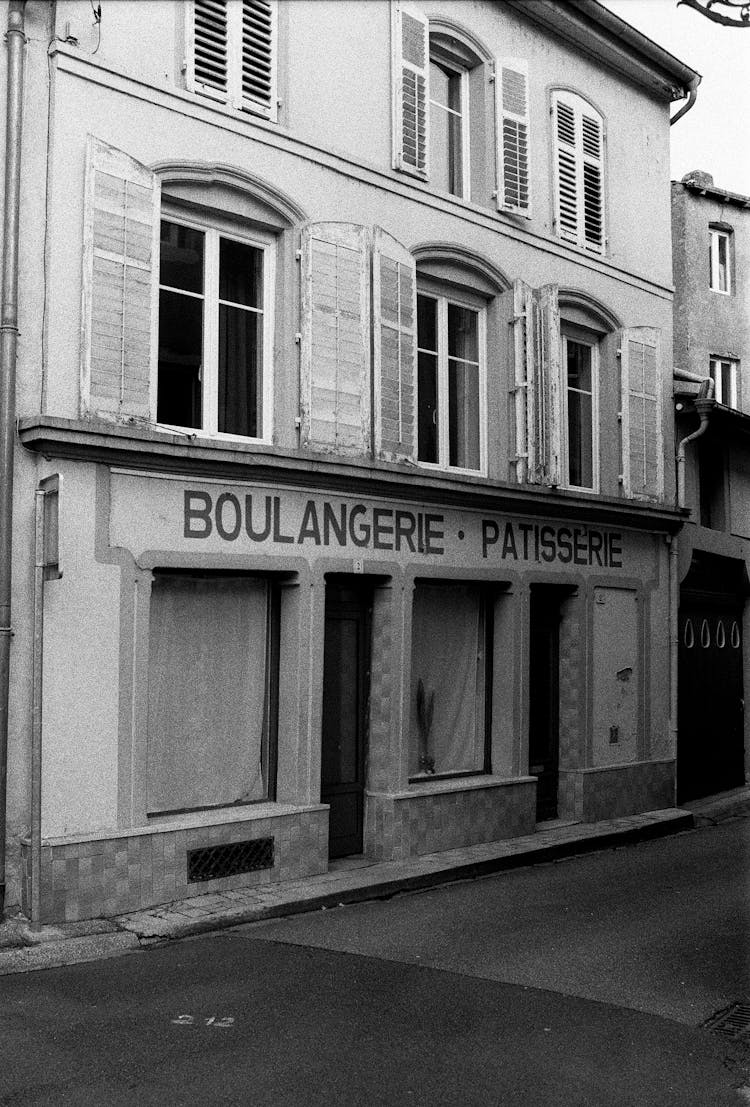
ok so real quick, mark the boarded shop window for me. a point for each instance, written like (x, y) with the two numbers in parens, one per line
(214, 331)
(448, 716)
(210, 692)
(232, 51)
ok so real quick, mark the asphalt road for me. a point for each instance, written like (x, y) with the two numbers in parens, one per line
(560, 985)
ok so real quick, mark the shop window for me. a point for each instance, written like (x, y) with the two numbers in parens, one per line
(578, 133)
(214, 330)
(449, 728)
(231, 53)
(212, 676)
(720, 260)
(725, 374)
(450, 382)
(581, 440)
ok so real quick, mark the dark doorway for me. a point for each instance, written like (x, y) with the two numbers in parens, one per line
(544, 697)
(710, 742)
(346, 685)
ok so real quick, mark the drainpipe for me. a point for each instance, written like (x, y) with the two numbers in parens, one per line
(692, 97)
(703, 404)
(16, 40)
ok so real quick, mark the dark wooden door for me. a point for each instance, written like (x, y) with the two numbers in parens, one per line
(710, 742)
(544, 705)
(346, 681)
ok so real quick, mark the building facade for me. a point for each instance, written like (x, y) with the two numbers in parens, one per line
(345, 439)
(711, 228)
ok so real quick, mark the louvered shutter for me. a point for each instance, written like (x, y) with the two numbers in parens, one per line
(209, 57)
(579, 171)
(258, 53)
(335, 383)
(513, 187)
(394, 277)
(642, 460)
(120, 255)
(410, 36)
(523, 374)
(232, 53)
(544, 416)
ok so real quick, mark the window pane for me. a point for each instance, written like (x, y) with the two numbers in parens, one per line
(180, 358)
(447, 720)
(726, 382)
(240, 371)
(463, 339)
(427, 392)
(579, 365)
(446, 149)
(722, 258)
(427, 324)
(240, 273)
(463, 414)
(580, 446)
(181, 257)
(206, 692)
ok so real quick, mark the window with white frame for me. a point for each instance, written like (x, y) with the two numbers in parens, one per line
(578, 133)
(232, 53)
(725, 373)
(449, 126)
(580, 380)
(720, 260)
(450, 382)
(215, 330)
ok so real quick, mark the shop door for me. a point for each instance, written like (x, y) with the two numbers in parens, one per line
(710, 742)
(346, 681)
(544, 692)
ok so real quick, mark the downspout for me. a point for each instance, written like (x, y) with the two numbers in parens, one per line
(692, 97)
(16, 39)
(703, 404)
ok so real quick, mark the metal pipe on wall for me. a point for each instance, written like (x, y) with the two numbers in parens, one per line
(16, 40)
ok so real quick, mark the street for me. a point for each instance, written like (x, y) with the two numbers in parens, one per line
(581, 984)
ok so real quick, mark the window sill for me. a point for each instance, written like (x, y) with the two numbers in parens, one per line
(447, 785)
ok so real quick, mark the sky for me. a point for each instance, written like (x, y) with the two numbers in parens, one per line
(715, 134)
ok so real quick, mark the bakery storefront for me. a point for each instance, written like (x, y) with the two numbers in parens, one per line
(242, 681)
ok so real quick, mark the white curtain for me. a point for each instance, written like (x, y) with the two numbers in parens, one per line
(445, 657)
(206, 691)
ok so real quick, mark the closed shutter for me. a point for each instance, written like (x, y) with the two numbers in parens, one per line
(210, 49)
(231, 53)
(394, 343)
(258, 55)
(120, 252)
(545, 417)
(335, 382)
(642, 460)
(523, 374)
(513, 188)
(579, 171)
(410, 36)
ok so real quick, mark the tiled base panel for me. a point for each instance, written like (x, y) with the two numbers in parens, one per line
(101, 875)
(609, 793)
(439, 817)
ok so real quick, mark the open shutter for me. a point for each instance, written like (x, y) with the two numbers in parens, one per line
(120, 256)
(394, 284)
(642, 461)
(513, 185)
(258, 52)
(579, 171)
(544, 398)
(335, 384)
(208, 57)
(410, 72)
(522, 346)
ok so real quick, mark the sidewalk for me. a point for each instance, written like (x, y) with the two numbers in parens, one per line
(353, 880)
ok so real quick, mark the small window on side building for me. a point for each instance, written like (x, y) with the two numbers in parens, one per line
(720, 260)
(725, 374)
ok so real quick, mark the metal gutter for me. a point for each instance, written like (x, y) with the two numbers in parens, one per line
(16, 41)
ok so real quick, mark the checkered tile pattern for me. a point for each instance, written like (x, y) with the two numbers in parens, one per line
(381, 692)
(110, 876)
(598, 794)
(572, 691)
(409, 825)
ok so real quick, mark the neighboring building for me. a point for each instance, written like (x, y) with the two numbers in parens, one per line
(711, 235)
(350, 385)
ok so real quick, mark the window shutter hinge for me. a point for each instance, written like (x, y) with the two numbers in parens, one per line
(279, 103)
(298, 421)
(619, 351)
(495, 194)
(183, 65)
(620, 478)
(298, 255)
(619, 416)
(298, 337)
(492, 77)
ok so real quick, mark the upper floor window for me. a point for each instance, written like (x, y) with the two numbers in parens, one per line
(214, 330)
(725, 375)
(231, 53)
(581, 440)
(450, 382)
(578, 171)
(449, 127)
(720, 260)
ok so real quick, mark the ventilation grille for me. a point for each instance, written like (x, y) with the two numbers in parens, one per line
(731, 1022)
(213, 862)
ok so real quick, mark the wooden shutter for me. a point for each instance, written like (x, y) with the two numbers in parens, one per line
(120, 259)
(410, 36)
(208, 64)
(394, 277)
(513, 184)
(642, 450)
(335, 383)
(579, 171)
(544, 417)
(523, 375)
(232, 53)
(258, 55)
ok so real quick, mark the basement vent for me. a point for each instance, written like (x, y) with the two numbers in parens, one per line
(213, 862)
(730, 1022)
